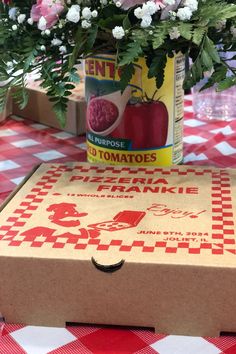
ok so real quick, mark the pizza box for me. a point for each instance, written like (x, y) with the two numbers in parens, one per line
(113, 245)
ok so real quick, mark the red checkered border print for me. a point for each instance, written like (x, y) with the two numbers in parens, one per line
(223, 233)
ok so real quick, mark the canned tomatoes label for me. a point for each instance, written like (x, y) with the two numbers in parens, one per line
(142, 125)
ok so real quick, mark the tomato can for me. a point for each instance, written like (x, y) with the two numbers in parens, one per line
(142, 125)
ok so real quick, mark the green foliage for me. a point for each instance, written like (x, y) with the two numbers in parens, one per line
(157, 67)
(91, 38)
(126, 23)
(20, 96)
(211, 11)
(127, 72)
(3, 97)
(205, 38)
(206, 59)
(186, 30)
(132, 53)
(159, 35)
(60, 108)
(73, 76)
(226, 83)
(198, 34)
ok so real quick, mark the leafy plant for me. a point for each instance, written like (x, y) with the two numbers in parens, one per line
(51, 37)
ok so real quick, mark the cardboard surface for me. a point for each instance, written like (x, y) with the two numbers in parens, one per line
(39, 108)
(116, 245)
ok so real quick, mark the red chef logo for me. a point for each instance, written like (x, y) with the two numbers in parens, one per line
(65, 214)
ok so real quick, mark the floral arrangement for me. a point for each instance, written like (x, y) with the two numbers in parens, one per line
(52, 36)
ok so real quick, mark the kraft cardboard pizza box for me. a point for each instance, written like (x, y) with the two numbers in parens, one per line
(40, 109)
(115, 245)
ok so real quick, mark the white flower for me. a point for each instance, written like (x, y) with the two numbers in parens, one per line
(10, 64)
(118, 4)
(174, 33)
(21, 18)
(42, 23)
(14, 27)
(169, 2)
(146, 21)
(86, 13)
(145, 12)
(184, 13)
(118, 32)
(30, 21)
(172, 15)
(43, 48)
(73, 15)
(56, 42)
(192, 4)
(12, 13)
(103, 2)
(85, 24)
(47, 32)
(94, 13)
(150, 8)
(63, 49)
(138, 12)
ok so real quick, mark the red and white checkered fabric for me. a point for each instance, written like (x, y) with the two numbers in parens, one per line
(24, 144)
(19, 339)
(208, 142)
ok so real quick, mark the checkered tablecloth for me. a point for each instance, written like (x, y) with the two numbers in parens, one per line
(24, 144)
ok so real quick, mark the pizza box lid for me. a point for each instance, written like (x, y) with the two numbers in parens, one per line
(114, 214)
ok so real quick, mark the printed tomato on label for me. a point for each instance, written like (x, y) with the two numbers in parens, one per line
(101, 114)
(145, 124)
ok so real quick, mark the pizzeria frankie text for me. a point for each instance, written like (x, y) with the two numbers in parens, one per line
(135, 185)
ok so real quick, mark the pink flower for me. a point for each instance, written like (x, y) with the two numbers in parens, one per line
(49, 9)
(160, 3)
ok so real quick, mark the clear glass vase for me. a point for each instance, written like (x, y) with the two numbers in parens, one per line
(211, 105)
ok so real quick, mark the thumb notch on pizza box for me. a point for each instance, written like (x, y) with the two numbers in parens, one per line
(108, 268)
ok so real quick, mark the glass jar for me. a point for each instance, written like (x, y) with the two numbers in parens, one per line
(211, 105)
